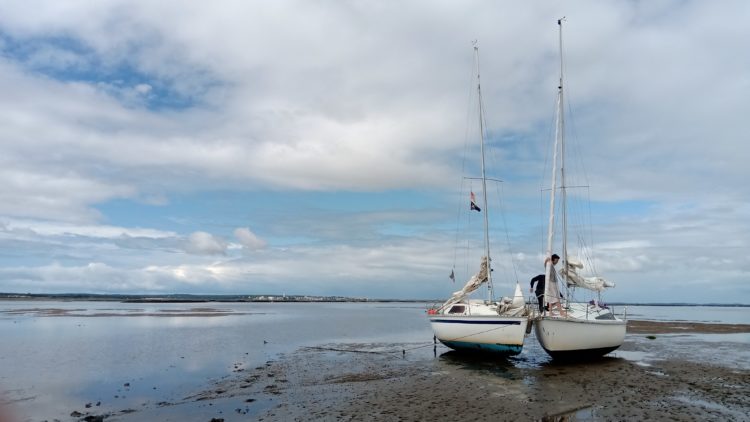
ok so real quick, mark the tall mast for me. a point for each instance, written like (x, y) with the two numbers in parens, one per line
(563, 186)
(484, 180)
(559, 139)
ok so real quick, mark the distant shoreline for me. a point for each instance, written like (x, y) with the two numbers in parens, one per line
(190, 298)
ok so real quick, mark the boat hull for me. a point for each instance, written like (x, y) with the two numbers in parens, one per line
(570, 338)
(490, 334)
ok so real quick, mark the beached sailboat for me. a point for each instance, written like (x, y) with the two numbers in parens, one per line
(576, 330)
(463, 323)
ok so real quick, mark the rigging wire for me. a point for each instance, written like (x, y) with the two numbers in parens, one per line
(483, 135)
(507, 234)
(580, 228)
(461, 197)
(583, 215)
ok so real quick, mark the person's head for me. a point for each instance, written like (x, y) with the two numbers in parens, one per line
(555, 259)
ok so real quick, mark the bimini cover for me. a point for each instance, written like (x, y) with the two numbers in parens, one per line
(572, 278)
(474, 282)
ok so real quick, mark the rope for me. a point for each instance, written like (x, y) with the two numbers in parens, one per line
(385, 352)
(403, 351)
(481, 332)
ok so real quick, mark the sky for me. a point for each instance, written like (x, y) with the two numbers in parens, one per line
(319, 147)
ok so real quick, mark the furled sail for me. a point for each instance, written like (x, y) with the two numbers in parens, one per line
(515, 306)
(474, 282)
(572, 278)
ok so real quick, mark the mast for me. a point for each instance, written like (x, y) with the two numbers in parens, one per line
(559, 139)
(563, 186)
(484, 180)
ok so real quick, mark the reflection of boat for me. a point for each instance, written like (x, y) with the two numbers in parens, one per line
(462, 323)
(486, 363)
(581, 329)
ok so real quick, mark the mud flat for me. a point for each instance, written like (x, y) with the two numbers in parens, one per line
(318, 384)
(415, 382)
(674, 327)
(663, 371)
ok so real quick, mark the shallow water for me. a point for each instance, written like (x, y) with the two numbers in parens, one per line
(57, 357)
(716, 314)
(52, 363)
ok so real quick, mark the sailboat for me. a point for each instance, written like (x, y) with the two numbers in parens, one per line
(577, 330)
(467, 324)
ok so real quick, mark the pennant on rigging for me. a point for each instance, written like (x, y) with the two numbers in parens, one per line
(474, 206)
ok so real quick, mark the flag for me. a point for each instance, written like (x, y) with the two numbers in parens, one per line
(452, 276)
(474, 206)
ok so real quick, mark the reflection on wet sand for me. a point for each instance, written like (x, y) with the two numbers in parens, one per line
(130, 312)
(382, 381)
(579, 413)
(345, 361)
(338, 382)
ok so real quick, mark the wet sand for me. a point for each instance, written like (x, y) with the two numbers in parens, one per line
(664, 327)
(315, 384)
(421, 382)
(426, 382)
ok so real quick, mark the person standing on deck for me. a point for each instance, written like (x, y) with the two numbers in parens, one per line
(553, 293)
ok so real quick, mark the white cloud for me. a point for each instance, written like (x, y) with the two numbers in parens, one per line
(52, 228)
(313, 112)
(49, 193)
(202, 243)
(248, 239)
(143, 88)
(367, 97)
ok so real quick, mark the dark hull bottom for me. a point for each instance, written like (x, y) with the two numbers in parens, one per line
(495, 349)
(585, 354)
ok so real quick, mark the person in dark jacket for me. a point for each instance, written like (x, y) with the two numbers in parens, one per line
(539, 291)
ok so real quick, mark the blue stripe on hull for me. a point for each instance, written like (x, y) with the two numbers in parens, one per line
(504, 349)
(465, 321)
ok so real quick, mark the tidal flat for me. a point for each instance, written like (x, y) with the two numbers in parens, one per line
(129, 362)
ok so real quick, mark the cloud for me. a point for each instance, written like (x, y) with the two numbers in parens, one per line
(47, 193)
(348, 130)
(202, 243)
(52, 228)
(248, 239)
(309, 270)
(143, 89)
(146, 102)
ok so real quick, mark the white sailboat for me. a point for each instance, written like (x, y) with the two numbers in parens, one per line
(577, 330)
(462, 323)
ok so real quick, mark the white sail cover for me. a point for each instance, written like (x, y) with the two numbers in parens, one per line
(572, 278)
(474, 282)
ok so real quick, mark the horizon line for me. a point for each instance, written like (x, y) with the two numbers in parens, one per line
(280, 297)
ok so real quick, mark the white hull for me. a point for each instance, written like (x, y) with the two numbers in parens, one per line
(497, 334)
(579, 337)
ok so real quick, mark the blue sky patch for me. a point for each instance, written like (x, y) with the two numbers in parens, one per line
(67, 59)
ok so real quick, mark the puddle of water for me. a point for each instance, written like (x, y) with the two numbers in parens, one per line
(694, 401)
(637, 357)
(587, 413)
